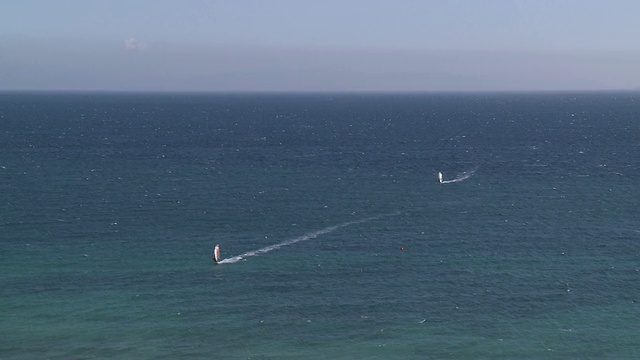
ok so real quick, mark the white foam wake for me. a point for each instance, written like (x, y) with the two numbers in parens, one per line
(461, 177)
(311, 235)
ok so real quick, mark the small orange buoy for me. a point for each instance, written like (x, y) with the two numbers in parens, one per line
(401, 247)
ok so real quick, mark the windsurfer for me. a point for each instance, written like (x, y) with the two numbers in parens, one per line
(215, 255)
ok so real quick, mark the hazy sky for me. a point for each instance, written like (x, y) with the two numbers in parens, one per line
(319, 45)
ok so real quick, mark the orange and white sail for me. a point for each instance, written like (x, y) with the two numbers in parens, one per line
(216, 253)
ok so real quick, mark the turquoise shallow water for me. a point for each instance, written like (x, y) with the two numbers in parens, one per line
(110, 205)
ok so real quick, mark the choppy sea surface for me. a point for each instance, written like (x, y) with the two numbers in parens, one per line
(338, 240)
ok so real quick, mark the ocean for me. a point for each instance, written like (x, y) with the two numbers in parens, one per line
(338, 241)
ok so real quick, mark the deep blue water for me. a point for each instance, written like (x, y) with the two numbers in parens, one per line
(110, 205)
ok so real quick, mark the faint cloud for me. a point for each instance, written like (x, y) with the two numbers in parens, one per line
(132, 44)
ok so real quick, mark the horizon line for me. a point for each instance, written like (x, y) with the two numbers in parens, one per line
(311, 92)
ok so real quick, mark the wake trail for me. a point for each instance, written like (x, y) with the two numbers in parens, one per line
(308, 236)
(461, 177)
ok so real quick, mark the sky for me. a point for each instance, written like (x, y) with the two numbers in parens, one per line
(319, 45)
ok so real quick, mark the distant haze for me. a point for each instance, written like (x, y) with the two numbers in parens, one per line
(319, 46)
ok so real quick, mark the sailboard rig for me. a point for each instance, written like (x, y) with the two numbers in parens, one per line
(216, 254)
(440, 177)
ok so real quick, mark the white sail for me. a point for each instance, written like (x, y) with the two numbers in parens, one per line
(216, 253)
